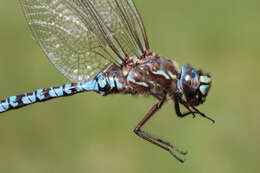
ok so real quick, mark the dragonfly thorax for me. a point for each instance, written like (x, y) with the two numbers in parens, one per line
(151, 75)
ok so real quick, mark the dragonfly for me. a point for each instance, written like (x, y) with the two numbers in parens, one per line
(102, 46)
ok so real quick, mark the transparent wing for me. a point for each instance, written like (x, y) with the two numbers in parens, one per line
(81, 37)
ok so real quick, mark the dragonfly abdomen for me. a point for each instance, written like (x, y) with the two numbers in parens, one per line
(45, 94)
(104, 83)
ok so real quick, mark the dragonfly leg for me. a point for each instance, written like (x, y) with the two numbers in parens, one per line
(203, 115)
(178, 100)
(178, 111)
(154, 140)
(162, 142)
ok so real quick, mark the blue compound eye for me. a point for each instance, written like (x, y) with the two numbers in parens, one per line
(193, 73)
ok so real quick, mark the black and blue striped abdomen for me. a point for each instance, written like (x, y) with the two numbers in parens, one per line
(101, 84)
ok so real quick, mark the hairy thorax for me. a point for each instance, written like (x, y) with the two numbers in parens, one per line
(150, 75)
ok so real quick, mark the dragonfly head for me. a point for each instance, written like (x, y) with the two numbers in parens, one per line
(194, 85)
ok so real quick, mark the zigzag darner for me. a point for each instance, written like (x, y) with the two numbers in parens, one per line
(102, 46)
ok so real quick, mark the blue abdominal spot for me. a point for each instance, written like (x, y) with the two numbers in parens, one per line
(1, 108)
(102, 83)
(52, 92)
(111, 82)
(59, 91)
(13, 102)
(32, 97)
(90, 85)
(67, 88)
(38, 93)
(118, 84)
(79, 87)
(5, 104)
(26, 100)
(101, 80)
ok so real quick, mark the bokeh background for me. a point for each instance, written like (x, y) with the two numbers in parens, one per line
(91, 133)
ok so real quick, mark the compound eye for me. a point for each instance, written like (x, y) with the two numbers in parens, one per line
(187, 78)
(204, 89)
(205, 79)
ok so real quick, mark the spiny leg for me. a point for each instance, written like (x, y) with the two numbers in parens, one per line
(156, 141)
(178, 111)
(145, 119)
(178, 100)
(162, 141)
(203, 115)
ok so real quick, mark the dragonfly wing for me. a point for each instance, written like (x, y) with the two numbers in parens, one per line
(81, 37)
(125, 24)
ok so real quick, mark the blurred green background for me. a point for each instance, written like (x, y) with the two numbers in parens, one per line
(91, 133)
